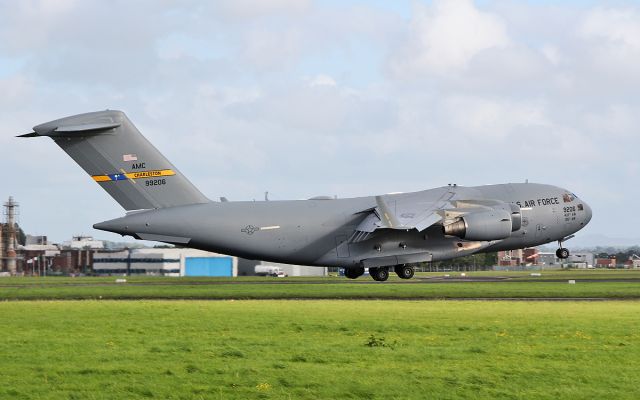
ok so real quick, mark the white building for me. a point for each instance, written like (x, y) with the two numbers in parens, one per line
(581, 260)
(164, 261)
(49, 250)
(296, 270)
(83, 243)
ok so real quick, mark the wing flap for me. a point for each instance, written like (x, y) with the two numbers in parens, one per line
(427, 221)
(407, 215)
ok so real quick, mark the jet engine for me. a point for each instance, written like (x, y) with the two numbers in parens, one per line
(483, 225)
(516, 217)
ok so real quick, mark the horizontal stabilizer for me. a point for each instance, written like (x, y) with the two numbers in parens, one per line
(87, 127)
(30, 134)
(61, 130)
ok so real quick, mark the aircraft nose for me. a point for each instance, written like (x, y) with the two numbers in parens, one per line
(587, 213)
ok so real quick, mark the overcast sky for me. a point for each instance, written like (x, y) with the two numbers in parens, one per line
(349, 98)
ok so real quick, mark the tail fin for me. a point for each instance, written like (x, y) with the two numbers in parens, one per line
(116, 155)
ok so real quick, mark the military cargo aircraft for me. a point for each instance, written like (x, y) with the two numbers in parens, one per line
(381, 233)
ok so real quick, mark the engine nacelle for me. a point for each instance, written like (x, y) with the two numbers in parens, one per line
(482, 226)
(516, 217)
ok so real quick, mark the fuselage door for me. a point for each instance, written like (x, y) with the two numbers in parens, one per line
(342, 246)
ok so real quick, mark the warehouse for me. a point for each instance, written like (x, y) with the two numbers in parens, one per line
(164, 261)
(247, 268)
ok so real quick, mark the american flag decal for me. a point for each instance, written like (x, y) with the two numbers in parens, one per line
(129, 157)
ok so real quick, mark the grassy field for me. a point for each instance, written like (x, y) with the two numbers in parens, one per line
(319, 350)
(519, 285)
(549, 274)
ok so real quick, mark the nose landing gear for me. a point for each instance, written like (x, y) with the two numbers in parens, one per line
(562, 253)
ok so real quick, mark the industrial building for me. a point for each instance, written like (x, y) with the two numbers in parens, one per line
(83, 242)
(581, 260)
(513, 258)
(633, 261)
(606, 262)
(247, 268)
(169, 261)
(532, 257)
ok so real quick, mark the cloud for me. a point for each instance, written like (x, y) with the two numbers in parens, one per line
(303, 98)
(259, 8)
(483, 119)
(618, 26)
(445, 37)
(322, 80)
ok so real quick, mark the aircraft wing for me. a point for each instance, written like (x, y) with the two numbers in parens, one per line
(402, 214)
(419, 212)
(398, 214)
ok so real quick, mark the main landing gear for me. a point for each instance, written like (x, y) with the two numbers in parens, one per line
(381, 274)
(405, 271)
(353, 273)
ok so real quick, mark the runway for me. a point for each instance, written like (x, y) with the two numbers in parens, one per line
(363, 280)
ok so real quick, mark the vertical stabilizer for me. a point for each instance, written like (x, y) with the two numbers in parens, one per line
(122, 161)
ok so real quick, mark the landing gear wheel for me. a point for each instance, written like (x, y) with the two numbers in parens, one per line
(353, 273)
(562, 253)
(404, 271)
(379, 274)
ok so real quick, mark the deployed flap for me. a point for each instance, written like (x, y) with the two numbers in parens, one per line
(402, 213)
(369, 224)
(426, 221)
(407, 214)
(386, 215)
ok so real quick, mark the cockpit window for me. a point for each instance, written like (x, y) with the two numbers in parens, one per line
(568, 197)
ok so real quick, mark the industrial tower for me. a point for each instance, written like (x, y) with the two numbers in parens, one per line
(8, 237)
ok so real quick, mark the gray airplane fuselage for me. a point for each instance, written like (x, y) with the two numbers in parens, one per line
(375, 232)
(318, 232)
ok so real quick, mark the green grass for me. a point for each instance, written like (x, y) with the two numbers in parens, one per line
(319, 350)
(549, 274)
(148, 279)
(328, 289)
(142, 279)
